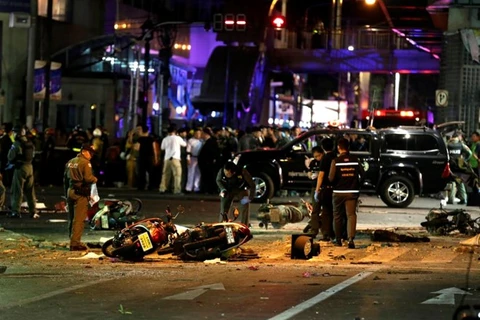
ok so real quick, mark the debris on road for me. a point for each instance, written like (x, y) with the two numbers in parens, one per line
(90, 255)
(3, 269)
(390, 236)
(442, 222)
(474, 241)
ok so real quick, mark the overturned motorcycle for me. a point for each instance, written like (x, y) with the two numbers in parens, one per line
(114, 213)
(205, 241)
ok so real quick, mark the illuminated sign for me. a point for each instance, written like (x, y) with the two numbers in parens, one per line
(229, 22)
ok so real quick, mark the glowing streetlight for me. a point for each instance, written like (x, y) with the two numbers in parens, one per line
(370, 2)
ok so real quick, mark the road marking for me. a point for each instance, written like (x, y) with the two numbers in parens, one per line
(385, 255)
(446, 296)
(321, 296)
(52, 294)
(446, 256)
(196, 292)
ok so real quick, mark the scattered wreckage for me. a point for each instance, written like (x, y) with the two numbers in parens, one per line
(442, 222)
(278, 214)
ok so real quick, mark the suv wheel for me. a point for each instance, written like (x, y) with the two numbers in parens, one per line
(263, 187)
(397, 192)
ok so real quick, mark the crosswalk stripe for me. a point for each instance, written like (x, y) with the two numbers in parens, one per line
(446, 256)
(384, 255)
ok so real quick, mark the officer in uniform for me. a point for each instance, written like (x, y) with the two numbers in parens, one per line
(20, 156)
(313, 164)
(324, 191)
(345, 174)
(235, 184)
(459, 155)
(78, 179)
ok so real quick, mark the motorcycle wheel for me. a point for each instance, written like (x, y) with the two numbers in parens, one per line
(108, 249)
(165, 250)
(137, 205)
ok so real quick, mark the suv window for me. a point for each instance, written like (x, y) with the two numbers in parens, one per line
(408, 142)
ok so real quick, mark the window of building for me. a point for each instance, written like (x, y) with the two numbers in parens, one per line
(60, 9)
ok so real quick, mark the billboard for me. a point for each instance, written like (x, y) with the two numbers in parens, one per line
(55, 80)
(325, 111)
(14, 5)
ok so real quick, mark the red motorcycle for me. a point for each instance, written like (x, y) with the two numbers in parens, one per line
(205, 241)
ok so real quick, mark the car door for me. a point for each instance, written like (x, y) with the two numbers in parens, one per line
(368, 154)
(294, 171)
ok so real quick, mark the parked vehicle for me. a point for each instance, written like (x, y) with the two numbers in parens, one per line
(399, 163)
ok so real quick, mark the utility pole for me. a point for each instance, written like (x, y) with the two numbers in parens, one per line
(147, 29)
(226, 117)
(46, 104)
(29, 102)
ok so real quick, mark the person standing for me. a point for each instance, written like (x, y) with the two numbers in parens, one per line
(235, 184)
(208, 162)
(21, 155)
(324, 191)
(345, 173)
(460, 154)
(194, 145)
(475, 148)
(78, 180)
(313, 164)
(172, 167)
(144, 145)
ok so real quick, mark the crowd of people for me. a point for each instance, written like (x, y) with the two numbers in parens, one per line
(143, 160)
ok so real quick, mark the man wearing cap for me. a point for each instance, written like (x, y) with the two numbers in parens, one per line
(21, 155)
(77, 181)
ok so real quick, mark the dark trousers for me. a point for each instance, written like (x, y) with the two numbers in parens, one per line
(226, 203)
(345, 205)
(326, 217)
(144, 167)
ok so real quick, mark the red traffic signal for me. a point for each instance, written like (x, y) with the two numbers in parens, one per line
(278, 22)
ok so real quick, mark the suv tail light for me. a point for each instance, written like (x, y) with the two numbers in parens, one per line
(446, 171)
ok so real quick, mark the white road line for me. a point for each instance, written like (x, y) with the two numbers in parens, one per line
(321, 296)
(51, 294)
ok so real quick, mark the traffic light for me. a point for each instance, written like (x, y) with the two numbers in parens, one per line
(278, 22)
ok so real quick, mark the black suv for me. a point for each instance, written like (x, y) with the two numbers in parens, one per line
(399, 163)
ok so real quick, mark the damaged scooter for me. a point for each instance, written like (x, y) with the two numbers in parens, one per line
(110, 214)
(205, 241)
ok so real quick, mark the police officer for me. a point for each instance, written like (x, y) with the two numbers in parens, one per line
(235, 184)
(21, 155)
(324, 191)
(78, 179)
(459, 155)
(345, 174)
(313, 164)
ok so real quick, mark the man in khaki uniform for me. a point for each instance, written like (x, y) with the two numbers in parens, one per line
(78, 180)
(21, 157)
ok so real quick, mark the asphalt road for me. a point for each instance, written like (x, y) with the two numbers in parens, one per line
(304, 290)
(374, 281)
